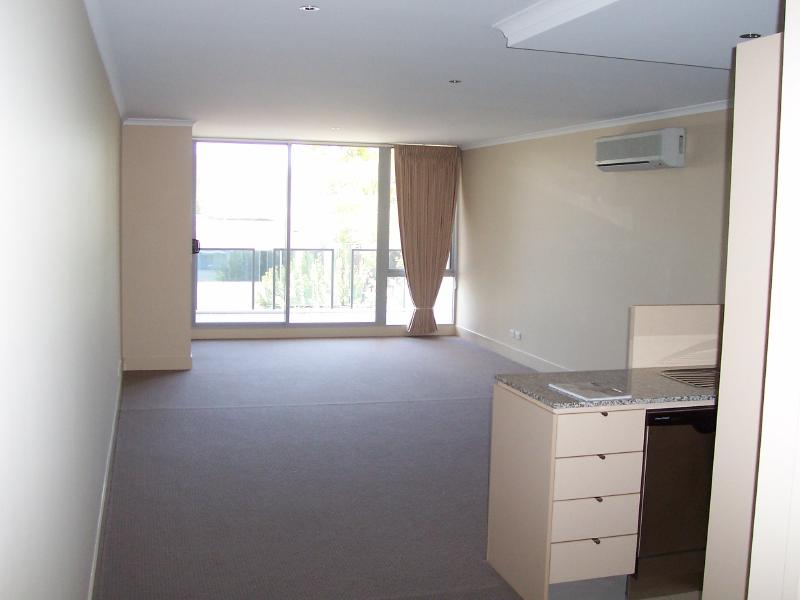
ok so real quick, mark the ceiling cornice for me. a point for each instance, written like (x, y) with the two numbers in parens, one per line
(631, 120)
(158, 122)
(545, 15)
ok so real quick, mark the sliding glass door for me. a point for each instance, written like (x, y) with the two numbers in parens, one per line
(334, 234)
(312, 223)
(240, 220)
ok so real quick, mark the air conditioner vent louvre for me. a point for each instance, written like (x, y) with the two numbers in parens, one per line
(644, 150)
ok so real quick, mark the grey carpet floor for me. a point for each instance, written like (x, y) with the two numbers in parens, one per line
(336, 371)
(305, 469)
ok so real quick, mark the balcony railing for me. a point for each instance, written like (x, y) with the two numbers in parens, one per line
(313, 275)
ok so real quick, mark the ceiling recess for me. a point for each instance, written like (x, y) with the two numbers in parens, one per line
(681, 32)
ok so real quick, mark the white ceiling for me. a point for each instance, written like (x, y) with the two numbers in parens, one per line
(364, 70)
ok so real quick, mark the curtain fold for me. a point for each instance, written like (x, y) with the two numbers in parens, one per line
(426, 178)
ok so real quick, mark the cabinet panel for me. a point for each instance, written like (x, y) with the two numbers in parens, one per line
(519, 492)
(585, 559)
(595, 517)
(598, 475)
(600, 432)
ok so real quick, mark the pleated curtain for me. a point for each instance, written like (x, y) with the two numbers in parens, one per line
(426, 179)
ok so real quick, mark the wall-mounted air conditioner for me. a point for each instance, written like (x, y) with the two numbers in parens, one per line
(644, 150)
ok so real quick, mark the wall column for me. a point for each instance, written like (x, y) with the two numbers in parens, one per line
(744, 334)
(156, 223)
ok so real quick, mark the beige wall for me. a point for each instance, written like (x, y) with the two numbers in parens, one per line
(157, 180)
(744, 335)
(775, 559)
(60, 344)
(553, 247)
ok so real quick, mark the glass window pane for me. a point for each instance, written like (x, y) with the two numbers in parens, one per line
(334, 233)
(399, 305)
(240, 220)
(241, 202)
(224, 277)
(395, 251)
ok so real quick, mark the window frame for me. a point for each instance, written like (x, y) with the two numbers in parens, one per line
(382, 270)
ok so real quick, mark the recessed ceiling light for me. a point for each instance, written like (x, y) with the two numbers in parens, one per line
(750, 36)
(455, 81)
(309, 8)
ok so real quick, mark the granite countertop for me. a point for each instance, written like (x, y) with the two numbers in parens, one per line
(646, 386)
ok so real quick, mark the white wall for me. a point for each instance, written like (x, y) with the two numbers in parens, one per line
(553, 247)
(60, 342)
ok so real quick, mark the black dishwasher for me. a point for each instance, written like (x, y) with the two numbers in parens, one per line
(676, 492)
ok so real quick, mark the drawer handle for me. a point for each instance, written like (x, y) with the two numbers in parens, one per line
(598, 498)
(596, 541)
(601, 456)
(605, 414)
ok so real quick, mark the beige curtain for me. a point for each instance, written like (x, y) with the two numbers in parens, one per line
(426, 178)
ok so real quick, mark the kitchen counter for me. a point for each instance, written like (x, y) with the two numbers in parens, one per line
(648, 388)
(565, 482)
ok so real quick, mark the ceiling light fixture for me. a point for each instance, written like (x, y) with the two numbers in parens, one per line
(309, 8)
(454, 81)
(750, 36)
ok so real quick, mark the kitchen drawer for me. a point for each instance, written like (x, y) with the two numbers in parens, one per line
(600, 432)
(586, 559)
(595, 517)
(598, 475)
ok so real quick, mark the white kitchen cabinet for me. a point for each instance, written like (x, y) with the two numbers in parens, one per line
(597, 475)
(591, 559)
(600, 431)
(600, 516)
(563, 492)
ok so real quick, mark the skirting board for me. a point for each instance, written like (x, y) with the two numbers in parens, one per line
(525, 358)
(157, 363)
(268, 333)
(104, 493)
